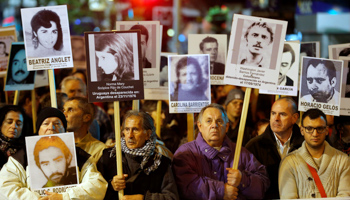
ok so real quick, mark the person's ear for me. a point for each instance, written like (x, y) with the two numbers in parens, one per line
(227, 127)
(149, 133)
(199, 126)
(302, 130)
(333, 81)
(295, 117)
(86, 117)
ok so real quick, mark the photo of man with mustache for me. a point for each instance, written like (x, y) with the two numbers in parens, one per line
(17, 72)
(258, 37)
(53, 158)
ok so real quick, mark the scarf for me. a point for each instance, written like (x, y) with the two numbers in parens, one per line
(10, 146)
(146, 152)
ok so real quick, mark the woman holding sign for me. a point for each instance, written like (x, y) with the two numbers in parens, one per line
(114, 56)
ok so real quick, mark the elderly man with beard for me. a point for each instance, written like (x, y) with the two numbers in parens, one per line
(146, 171)
(280, 137)
(15, 179)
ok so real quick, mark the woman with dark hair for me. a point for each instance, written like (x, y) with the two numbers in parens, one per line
(114, 56)
(12, 119)
(47, 33)
(189, 83)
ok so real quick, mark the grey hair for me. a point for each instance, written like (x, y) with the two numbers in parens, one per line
(291, 102)
(70, 78)
(213, 105)
(147, 120)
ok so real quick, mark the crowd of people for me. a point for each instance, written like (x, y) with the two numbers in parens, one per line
(276, 159)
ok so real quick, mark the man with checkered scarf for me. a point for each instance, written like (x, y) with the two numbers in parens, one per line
(146, 166)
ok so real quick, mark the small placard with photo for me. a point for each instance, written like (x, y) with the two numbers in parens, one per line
(342, 52)
(320, 85)
(216, 46)
(288, 76)
(114, 73)
(47, 37)
(150, 48)
(18, 77)
(160, 93)
(255, 52)
(52, 162)
(7, 36)
(79, 52)
(189, 84)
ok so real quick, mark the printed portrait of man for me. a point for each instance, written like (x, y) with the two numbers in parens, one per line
(321, 82)
(78, 48)
(258, 37)
(288, 59)
(3, 49)
(53, 158)
(17, 72)
(210, 45)
(144, 42)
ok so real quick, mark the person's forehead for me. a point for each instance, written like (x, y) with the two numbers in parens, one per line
(72, 104)
(52, 119)
(13, 114)
(143, 37)
(320, 69)
(73, 84)
(259, 29)
(212, 113)
(281, 106)
(210, 44)
(20, 54)
(133, 121)
(50, 150)
(236, 101)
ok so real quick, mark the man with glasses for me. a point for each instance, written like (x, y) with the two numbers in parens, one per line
(316, 169)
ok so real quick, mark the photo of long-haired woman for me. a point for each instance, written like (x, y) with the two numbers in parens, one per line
(114, 57)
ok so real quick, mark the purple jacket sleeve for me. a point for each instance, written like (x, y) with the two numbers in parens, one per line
(255, 179)
(190, 184)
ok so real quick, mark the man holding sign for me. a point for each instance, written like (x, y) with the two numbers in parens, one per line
(146, 169)
(316, 169)
(203, 167)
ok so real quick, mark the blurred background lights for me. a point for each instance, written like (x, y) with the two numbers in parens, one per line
(77, 22)
(171, 32)
(182, 38)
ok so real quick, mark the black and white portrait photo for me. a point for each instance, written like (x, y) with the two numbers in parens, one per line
(256, 48)
(321, 81)
(46, 35)
(214, 45)
(288, 76)
(52, 160)
(255, 52)
(150, 48)
(189, 78)
(7, 36)
(114, 57)
(78, 52)
(18, 77)
(339, 50)
(113, 64)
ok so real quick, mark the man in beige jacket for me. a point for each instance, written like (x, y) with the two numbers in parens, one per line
(331, 166)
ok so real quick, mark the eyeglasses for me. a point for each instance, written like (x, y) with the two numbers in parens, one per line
(310, 129)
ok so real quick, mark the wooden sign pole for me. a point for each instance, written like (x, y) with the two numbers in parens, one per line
(34, 110)
(190, 127)
(136, 105)
(16, 98)
(159, 118)
(52, 88)
(241, 128)
(118, 148)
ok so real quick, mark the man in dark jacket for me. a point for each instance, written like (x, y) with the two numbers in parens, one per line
(280, 137)
(146, 170)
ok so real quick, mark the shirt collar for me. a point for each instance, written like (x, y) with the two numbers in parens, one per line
(211, 152)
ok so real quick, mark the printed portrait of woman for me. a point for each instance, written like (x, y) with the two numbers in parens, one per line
(47, 35)
(189, 85)
(114, 58)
